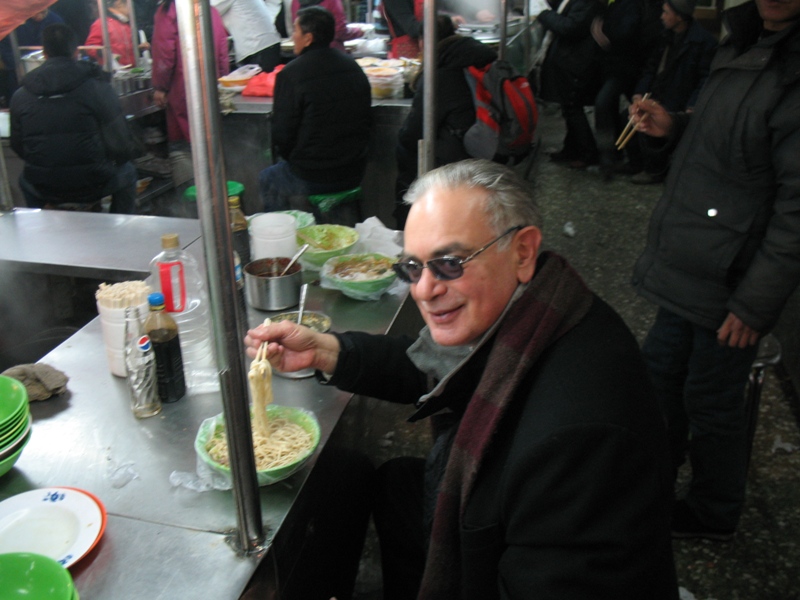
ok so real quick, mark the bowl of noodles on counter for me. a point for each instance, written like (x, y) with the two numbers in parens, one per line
(360, 276)
(284, 437)
(325, 242)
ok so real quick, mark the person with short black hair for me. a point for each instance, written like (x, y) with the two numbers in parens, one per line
(673, 76)
(321, 119)
(68, 126)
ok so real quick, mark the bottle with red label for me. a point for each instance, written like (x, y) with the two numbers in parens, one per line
(140, 363)
(176, 274)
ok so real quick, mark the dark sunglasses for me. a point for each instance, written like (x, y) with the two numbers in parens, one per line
(445, 268)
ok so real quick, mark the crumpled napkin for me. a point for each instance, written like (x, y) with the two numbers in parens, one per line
(41, 380)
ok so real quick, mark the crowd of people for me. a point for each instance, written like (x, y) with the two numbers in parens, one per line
(549, 475)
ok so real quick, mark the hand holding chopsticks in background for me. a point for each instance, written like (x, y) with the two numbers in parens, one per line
(646, 116)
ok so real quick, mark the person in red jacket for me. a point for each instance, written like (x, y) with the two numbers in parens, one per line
(119, 33)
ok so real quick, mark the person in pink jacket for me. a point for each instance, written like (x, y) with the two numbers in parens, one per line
(167, 77)
(343, 32)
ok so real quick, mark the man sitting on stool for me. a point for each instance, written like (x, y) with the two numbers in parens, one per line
(321, 119)
(68, 127)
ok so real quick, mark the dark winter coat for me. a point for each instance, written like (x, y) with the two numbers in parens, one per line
(68, 127)
(455, 106)
(678, 86)
(573, 499)
(321, 117)
(622, 25)
(725, 236)
(570, 73)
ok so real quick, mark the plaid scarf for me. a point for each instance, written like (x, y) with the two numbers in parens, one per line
(554, 302)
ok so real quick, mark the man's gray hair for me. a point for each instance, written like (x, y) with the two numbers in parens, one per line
(509, 198)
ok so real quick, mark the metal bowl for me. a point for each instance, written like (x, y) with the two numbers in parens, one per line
(267, 289)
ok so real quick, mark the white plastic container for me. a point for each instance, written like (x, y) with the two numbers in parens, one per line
(176, 274)
(112, 323)
(273, 235)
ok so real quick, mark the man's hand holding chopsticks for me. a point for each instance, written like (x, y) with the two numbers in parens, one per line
(650, 117)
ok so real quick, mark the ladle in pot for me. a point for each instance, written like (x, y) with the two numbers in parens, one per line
(294, 259)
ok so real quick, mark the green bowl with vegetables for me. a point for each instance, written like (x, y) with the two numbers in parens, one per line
(360, 276)
(325, 242)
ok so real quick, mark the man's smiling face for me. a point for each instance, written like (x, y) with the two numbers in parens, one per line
(451, 222)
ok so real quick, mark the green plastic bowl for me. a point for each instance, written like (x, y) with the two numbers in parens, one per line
(216, 426)
(7, 463)
(326, 242)
(13, 399)
(24, 575)
(361, 276)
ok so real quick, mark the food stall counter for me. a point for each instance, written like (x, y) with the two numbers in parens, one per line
(66, 243)
(164, 540)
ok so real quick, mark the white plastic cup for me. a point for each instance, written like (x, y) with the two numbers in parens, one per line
(273, 235)
(112, 322)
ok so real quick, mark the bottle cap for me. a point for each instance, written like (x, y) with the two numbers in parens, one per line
(156, 300)
(169, 241)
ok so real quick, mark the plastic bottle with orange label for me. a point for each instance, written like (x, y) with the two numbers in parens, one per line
(176, 274)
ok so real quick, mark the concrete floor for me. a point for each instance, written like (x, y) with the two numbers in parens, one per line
(609, 221)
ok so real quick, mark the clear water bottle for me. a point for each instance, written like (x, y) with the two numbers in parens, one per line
(140, 362)
(177, 275)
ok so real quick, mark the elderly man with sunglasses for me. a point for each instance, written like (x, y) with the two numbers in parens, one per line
(549, 475)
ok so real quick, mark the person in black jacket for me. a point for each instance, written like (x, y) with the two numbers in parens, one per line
(321, 118)
(723, 252)
(673, 76)
(455, 108)
(68, 126)
(568, 73)
(549, 475)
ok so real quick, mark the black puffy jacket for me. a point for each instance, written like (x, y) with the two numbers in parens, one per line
(725, 235)
(321, 116)
(67, 125)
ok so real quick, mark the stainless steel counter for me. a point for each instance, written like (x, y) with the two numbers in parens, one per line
(91, 245)
(161, 541)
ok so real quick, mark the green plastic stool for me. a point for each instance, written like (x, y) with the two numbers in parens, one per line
(234, 189)
(325, 202)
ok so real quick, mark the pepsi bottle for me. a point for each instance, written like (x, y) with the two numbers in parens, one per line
(141, 365)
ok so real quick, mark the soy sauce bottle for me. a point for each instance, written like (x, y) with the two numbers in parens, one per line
(163, 332)
(239, 231)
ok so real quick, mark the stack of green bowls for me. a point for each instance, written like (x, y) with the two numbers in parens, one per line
(25, 576)
(15, 422)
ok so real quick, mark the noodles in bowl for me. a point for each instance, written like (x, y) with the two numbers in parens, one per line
(283, 437)
(212, 435)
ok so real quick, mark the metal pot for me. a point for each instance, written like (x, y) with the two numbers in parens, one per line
(266, 289)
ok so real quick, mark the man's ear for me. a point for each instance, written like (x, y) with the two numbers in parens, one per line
(526, 246)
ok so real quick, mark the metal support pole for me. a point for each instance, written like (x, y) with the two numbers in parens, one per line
(18, 66)
(6, 202)
(108, 58)
(501, 50)
(197, 50)
(134, 33)
(427, 151)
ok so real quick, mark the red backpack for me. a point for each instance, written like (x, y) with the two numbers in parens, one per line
(506, 113)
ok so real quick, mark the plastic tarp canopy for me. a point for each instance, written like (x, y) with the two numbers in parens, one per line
(14, 13)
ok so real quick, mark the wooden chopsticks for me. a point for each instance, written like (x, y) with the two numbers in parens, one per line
(629, 130)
